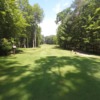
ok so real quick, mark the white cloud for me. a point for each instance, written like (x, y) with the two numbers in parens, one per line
(61, 5)
(66, 4)
(57, 8)
(48, 27)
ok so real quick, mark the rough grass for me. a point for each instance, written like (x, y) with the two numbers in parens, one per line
(49, 73)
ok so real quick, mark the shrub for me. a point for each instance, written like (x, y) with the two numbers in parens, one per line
(5, 46)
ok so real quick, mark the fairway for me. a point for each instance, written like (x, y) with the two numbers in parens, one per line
(49, 73)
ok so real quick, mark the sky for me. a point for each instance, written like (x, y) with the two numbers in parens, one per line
(50, 8)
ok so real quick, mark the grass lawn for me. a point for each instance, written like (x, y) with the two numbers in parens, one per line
(49, 73)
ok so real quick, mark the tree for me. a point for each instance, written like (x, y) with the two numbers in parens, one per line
(38, 16)
(19, 22)
(38, 36)
(52, 39)
(80, 26)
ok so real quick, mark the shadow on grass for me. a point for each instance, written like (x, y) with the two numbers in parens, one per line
(57, 47)
(51, 79)
(19, 51)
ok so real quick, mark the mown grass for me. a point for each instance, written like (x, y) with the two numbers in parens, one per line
(49, 73)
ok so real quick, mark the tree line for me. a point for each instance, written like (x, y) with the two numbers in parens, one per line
(19, 24)
(51, 39)
(79, 26)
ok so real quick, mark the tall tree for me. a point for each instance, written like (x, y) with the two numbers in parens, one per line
(19, 22)
(38, 16)
(80, 26)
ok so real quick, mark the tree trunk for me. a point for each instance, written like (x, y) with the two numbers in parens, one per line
(35, 38)
(27, 43)
(33, 42)
(24, 43)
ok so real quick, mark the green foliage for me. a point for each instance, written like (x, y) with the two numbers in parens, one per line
(5, 47)
(52, 39)
(37, 13)
(38, 37)
(80, 26)
(19, 20)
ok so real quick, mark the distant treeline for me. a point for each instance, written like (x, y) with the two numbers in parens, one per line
(52, 39)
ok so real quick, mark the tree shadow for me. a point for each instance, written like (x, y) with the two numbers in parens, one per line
(52, 78)
(78, 83)
(19, 51)
(58, 47)
(11, 73)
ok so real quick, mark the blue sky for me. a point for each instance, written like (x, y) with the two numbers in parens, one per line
(50, 8)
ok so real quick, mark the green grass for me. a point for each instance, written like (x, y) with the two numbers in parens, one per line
(49, 73)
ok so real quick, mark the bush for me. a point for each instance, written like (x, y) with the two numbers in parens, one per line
(5, 47)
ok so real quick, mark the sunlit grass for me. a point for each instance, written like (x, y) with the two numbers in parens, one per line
(49, 73)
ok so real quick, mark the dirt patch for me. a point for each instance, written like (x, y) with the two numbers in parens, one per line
(87, 55)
